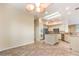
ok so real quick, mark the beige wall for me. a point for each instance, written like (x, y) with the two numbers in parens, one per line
(16, 27)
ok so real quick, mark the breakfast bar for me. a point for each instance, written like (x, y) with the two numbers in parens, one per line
(52, 38)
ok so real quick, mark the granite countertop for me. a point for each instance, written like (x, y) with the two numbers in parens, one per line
(75, 35)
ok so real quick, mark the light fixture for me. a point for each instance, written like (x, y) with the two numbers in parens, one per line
(38, 7)
(55, 16)
(44, 5)
(30, 7)
(39, 10)
(37, 4)
(51, 16)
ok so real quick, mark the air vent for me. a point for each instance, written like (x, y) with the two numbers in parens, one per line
(77, 8)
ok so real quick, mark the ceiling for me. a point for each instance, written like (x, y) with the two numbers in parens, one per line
(68, 13)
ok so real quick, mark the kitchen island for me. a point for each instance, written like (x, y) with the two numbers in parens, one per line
(52, 38)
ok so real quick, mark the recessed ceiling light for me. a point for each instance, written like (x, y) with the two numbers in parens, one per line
(67, 8)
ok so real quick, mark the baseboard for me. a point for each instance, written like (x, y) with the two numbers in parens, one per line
(17, 46)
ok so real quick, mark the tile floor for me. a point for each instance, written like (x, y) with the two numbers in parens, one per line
(41, 49)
